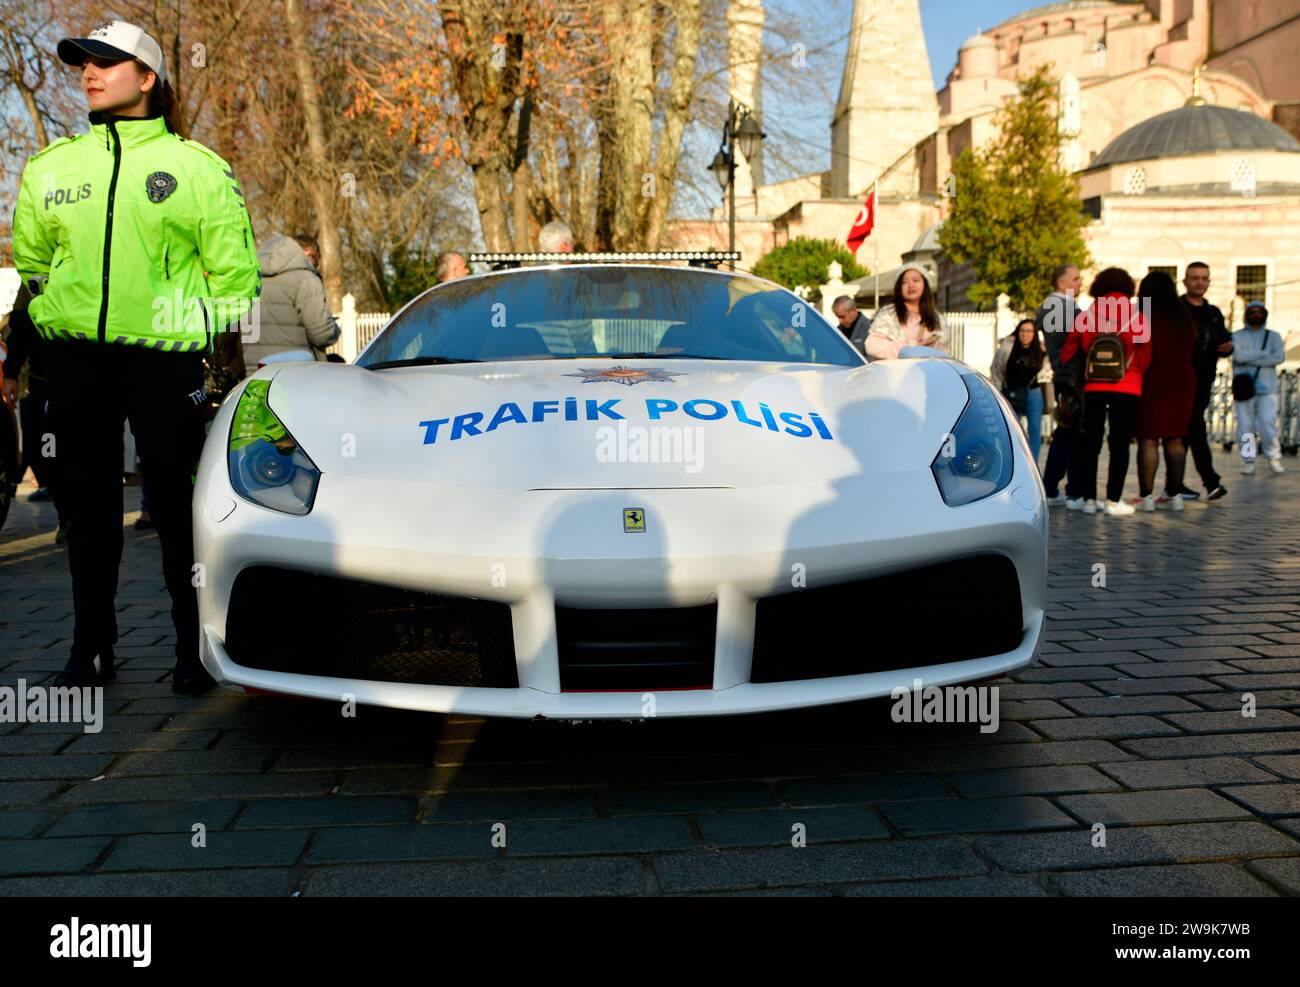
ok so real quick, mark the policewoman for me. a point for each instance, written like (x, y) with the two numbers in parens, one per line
(138, 248)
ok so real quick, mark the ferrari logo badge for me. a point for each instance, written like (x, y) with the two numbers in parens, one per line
(159, 185)
(633, 520)
(625, 375)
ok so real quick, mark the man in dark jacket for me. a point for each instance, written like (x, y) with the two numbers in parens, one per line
(27, 348)
(1055, 320)
(294, 312)
(1212, 341)
(853, 323)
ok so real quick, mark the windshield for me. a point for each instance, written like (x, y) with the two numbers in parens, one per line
(628, 312)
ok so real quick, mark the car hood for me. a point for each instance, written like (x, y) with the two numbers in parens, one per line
(599, 424)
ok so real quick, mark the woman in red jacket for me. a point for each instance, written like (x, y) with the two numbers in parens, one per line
(1112, 381)
(1168, 389)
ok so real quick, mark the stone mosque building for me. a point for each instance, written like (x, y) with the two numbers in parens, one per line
(1180, 119)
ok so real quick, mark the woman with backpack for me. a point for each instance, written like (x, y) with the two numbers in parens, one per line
(1168, 390)
(1115, 342)
(138, 249)
(1019, 371)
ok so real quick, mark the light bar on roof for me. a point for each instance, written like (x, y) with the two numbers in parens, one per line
(697, 258)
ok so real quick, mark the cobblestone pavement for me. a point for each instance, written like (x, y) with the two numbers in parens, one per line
(1131, 719)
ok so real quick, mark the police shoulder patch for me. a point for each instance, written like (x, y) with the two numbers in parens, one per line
(160, 185)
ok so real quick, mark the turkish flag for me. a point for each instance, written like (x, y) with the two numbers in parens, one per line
(863, 224)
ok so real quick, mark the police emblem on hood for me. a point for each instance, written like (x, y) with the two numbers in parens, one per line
(625, 375)
(160, 185)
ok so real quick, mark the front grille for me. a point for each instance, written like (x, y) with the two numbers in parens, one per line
(603, 650)
(283, 620)
(928, 616)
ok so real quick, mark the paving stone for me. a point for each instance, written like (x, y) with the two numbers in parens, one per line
(1286, 765)
(1128, 705)
(507, 806)
(1104, 727)
(1283, 874)
(630, 834)
(175, 852)
(1132, 845)
(260, 883)
(1031, 781)
(144, 817)
(1184, 881)
(966, 887)
(838, 864)
(767, 827)
(353, 844)
(311, 813)
(199, 787)
(1276, 799)
(1185, 772)
(861, 789)
(22, 822)
(173, 763)
(1221, 722)
(49, 856)
(690, 798)
(1220, 743)
(589, 877)
(1164, 806)
(941, 816)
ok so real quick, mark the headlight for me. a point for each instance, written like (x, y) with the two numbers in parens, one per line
(266, 465)
(975, 459)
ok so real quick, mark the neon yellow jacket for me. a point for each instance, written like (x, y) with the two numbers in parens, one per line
(143, 235)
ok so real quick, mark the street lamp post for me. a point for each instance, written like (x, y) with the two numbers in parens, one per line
(741, 130)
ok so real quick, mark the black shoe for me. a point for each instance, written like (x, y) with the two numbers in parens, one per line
(61, 536)
(79, 673)
(1188, 493)
(192, 682)
(38, 495)
(143, 524)
(1217, 492)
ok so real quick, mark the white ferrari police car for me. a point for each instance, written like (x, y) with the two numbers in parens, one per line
(576, 489)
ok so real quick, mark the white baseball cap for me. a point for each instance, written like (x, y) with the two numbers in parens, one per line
(116, 40)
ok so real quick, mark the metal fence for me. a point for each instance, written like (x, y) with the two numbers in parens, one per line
(1221, 416)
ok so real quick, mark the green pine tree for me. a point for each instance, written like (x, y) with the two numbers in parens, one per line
(1016, 213)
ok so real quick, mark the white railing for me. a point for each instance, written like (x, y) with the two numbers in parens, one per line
(357, 329)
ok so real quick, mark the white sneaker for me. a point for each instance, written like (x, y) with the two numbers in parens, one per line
(1276, 466)
(1146, 504)
(1056, 501)
(1117, 508)
(1248, 467)
(1075, 504)
(1089, 507)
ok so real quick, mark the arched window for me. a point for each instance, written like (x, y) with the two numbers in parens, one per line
(1243, 176)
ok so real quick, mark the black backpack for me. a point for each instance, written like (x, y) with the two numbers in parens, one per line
(1107, 360)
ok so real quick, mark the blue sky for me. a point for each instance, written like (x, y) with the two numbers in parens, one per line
(947, 23)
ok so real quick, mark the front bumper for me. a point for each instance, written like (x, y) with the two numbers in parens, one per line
(534, 550)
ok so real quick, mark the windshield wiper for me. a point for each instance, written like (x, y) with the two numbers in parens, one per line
(419, 361)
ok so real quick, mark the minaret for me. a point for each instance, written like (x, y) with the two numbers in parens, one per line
(744, 52)
(887, 100)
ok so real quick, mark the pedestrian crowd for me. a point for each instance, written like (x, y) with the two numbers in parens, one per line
(1139, 363)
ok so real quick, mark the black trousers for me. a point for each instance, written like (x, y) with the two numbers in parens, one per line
(1123, 414)
(93, 388)
(36, 426)
(1063, 463)
(1198, 443)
